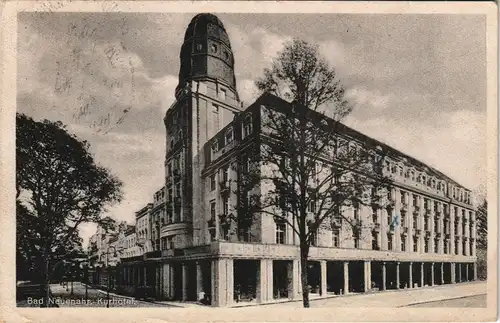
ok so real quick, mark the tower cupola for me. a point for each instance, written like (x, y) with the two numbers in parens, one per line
(206, 53)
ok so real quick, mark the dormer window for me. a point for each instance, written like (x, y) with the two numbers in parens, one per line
(401, 170)
(229, 136)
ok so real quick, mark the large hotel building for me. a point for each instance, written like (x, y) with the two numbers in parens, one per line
(181, 249)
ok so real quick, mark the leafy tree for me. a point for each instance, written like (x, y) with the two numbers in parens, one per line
(59, 187)
(308, 175)
(482, 225)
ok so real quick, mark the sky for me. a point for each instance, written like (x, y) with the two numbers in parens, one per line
(417, 83)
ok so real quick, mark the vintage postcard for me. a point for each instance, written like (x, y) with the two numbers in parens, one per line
(248, 161)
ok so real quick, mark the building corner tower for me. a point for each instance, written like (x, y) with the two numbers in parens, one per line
(206, 101)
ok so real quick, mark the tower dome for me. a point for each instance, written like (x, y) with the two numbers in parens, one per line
(206, 53)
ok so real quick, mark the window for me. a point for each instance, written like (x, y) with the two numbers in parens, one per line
(215, 146)
(215, 116)
(403, 197)
(401, 170)
(280, 232)
(375, 241)
(387, 166)
(247, 126)
(389, 241)
(212, 210)
(426, 245)
(436, 245)
(415, 200)
(336, 238)
(445, 247)
(403, 243)
(178, 190)
(226, 205)
(225, 175)
(415, 244)
(312, 206)
(170, 242)
(229, 136)
(222, 94)
(314, 239)
(412, 174)
(212, 182)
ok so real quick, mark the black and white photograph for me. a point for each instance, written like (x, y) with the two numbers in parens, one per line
(213, 157)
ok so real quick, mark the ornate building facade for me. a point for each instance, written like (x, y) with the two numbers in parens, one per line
(189, 253)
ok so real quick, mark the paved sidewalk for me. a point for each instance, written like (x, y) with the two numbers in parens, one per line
(396, 298)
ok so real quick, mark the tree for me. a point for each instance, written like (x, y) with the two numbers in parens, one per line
(59, 187)
(311, 168)
(482, 224)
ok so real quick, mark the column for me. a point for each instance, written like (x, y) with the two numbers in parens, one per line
(459, 272)
(475, 270)
(466, 272)
(367, 270)
(323, 278)
(199, 281)
(293, 282)
(452, 272)
(265, 281)
(452, 231)
(185, 278)
(432, 274)
(384, 278)
(410, 275)
(346, 277)
(421, 274)
(442, 273)
(222, 282)
(397, 275)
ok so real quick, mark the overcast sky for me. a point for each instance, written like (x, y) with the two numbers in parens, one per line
(418, 82)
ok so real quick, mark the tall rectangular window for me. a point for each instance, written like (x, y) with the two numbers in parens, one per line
(336, 238)
(415, 244)
(389, 241)
(403, 242)
(215, 117)
(212, 210)
(280, 233)
(225, 175)
(212, 182)
(226, 205)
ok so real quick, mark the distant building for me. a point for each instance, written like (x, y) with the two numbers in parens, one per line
(187, 252)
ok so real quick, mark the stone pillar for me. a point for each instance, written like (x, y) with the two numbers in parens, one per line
(410, 275)
(222, 282)
(421, 274)
(384, 278)
(397, 275)
(185, 278)
(466, 272)
(452, 273)
(199, 281)
(323, 290)
(346, 277)
(442, 273)
(265, 281)
(475, 270)
(432, 274)
(293, 282)
(459, 272)
(368, 275)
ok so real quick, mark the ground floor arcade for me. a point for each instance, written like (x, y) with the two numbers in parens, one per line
(225, 281)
